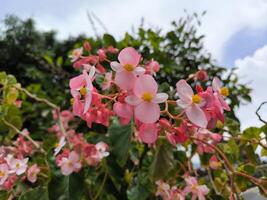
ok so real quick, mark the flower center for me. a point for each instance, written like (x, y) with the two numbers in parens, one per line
(2, 174)
(83, 91)
(57, 145)
(128, 67)
(70, 163)
(17, 165)
(224, 91)
(71, 101)
(147, 96)
(196, 99)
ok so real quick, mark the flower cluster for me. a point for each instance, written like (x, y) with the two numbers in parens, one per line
(72, 150)
(15, 165)
(136, 97)
(192, 188)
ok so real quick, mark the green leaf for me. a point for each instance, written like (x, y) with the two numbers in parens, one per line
(109, 40)
(59, 61)
(162, 163)
(2, 78)
(120, 140)
(3, 195)
(251, 133)
(48, 59)
(67, 187)
(263, 152)
(250, 152)
(38, 193)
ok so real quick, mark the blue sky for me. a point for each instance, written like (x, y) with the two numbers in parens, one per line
(236, 30)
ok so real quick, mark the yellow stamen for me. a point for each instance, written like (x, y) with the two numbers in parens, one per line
(219, 124)
(83, 91)
(128, 67)
(224, 91)
(17, 165)
(70, 163)
(57, 145)
(71, 101)
(2, 174)
(147, 96)
(196, 99)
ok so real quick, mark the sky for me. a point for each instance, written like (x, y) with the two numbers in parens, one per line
(235, 30)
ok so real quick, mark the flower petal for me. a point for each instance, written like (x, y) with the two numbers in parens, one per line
(123, 110)
(196, 116)
(145, 83)
(139, 71)
(160, 98)
(182, 104)
(132, 100)
(129, 56)
(184, 91)
(216, 84)
(148, 133)
(147, 112)
(88, 100)
(115, 66)
(125, 80)
(77, 82)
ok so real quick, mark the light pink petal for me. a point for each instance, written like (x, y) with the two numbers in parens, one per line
(184, 90)
(129, 56)
(123, 110)
(132, 100)
(139, 71)
(147, 112)
(125, 80)
(182, 103)
(148, 133)
(77, 82)
(88, 100)
(66, 169)
(196, 116)
(92, 72)
(203, 189)
(160, 98)
(224, 103)
(74, 157)
(145, 83)
(115, 66)
(216, 84)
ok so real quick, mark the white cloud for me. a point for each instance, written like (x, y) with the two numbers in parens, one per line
(222, 20)
(253, 69)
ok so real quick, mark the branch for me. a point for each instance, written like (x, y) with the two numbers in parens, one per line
(24, 135)
(257, 112)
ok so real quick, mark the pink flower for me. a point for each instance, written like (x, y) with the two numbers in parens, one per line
(152, 67)
(102, 54)
(148, 133)
(59, 145)
(124, 111)
(70, 164)
(32, 173)
(76, 54)
(201, 75)
(214, 163)
(3, 173)
(191, 103)
(198, 191)
(220, 92)
(102, 148)
(107, 81)
(146, 99)
(17, 166)
(82, 86)
(127, 69)
(163, 190)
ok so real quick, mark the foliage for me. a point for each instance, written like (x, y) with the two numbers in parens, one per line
(134, 168)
